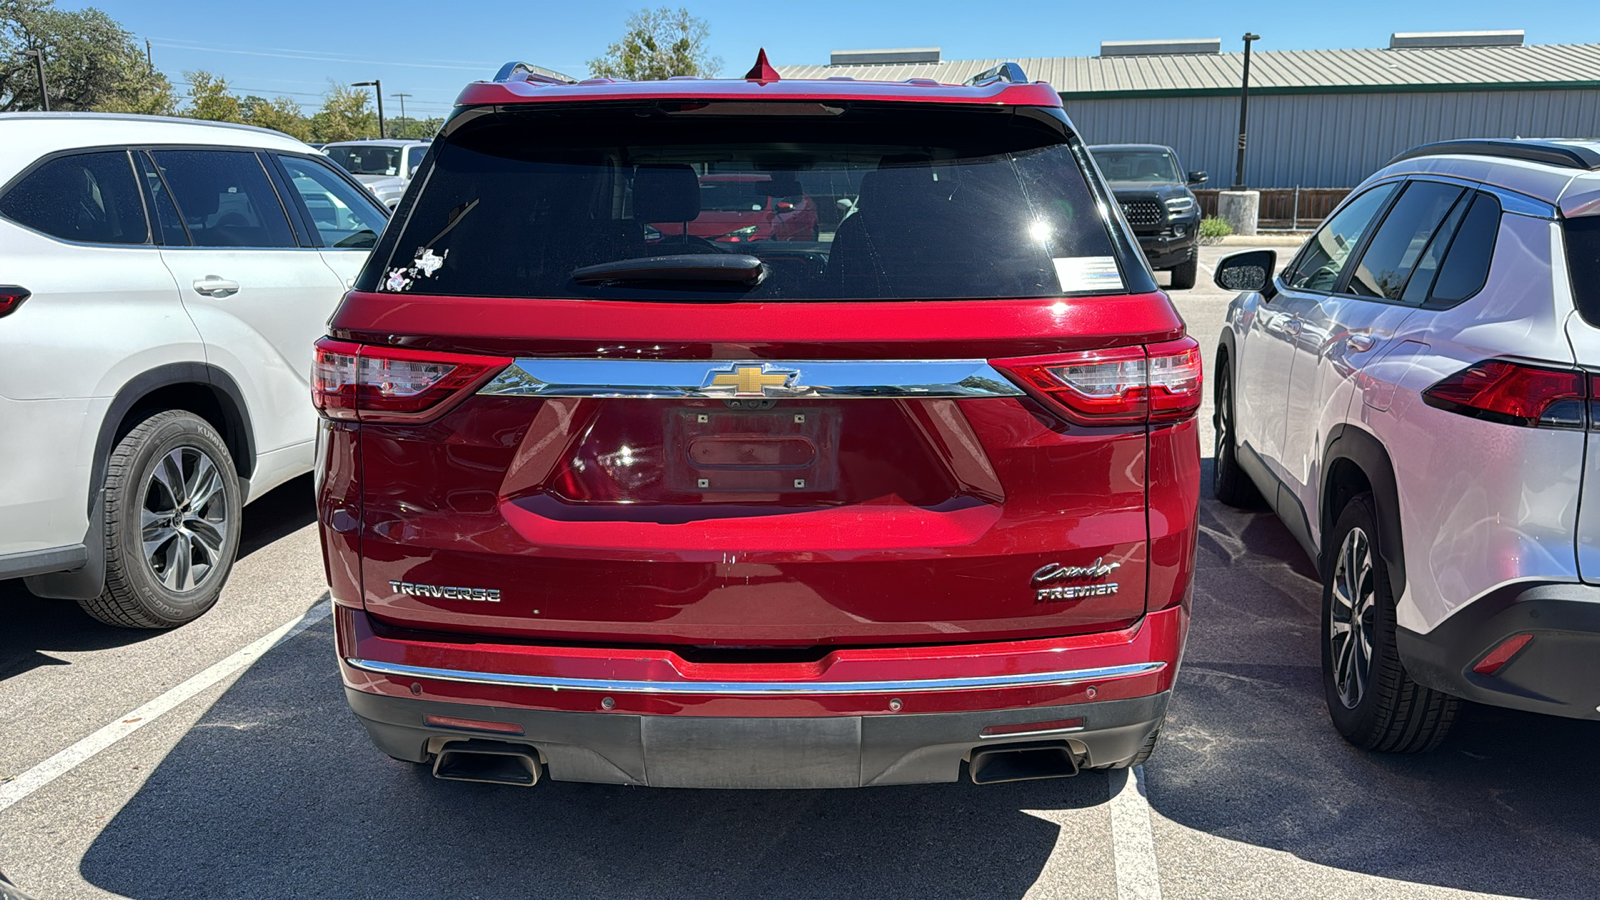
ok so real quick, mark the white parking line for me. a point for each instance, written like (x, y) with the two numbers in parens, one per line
(86, 749)
(1132, 842)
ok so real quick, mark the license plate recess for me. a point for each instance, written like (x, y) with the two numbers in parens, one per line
(783, 450)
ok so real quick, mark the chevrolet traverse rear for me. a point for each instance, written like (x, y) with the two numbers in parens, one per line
(605, 501)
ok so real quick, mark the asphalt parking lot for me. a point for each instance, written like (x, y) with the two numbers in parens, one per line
(219, 760)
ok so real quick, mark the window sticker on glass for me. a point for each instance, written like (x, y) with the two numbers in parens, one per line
(1088, 273)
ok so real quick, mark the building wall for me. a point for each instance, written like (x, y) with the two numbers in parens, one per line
(1328, 140)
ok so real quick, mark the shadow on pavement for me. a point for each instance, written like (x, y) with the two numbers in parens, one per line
(1506, 805)
(36, 626)
(277, 792)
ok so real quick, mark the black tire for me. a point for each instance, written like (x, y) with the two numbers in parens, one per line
(1373, 702)
(1229, 483)
(1183, 275)
(194, 537)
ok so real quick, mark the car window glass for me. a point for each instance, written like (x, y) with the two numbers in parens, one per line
(1466, 265)
(167, 219)
(1325, 255)
(414, 157)
(1583, 265)
(877, 202)
(343, 216)
(1427, 267)
(1142, 164)
(364, 159)
(225, 198)
(1399, 242)
(88, 197)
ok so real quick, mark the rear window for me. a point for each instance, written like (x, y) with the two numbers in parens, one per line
(859, 201)
(1583, 262)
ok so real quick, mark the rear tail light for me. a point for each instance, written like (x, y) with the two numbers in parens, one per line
(1500, 655)
(11, 297)
(1121, 386)
(1514, 394)
(392, 384)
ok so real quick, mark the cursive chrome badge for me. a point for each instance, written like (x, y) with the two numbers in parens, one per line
(481, 595)
(1053, 572)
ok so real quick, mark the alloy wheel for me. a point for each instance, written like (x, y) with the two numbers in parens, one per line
(184, 519)
(1350, 617)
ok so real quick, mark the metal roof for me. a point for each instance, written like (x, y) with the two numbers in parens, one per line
(1273, 71)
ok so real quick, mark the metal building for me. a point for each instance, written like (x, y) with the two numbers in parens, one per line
(1318, 118)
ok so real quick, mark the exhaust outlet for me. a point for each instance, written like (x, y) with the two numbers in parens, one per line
(1022, 762)
(493, 762)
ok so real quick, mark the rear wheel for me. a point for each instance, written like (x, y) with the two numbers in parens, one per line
(1229, 483)
(1373, 702)
(1184, 275)
(172, 523)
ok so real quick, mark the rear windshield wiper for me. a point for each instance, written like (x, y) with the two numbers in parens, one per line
(721, 269)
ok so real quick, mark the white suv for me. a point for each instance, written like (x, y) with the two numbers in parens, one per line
(164, 281)
(1417, 395)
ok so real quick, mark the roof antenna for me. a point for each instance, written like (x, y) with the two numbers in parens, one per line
(762, 72)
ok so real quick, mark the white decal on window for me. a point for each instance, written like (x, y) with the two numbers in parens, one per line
(401, 278)
(1088, 273)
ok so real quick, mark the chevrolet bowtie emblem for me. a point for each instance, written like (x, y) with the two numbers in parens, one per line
(750, 381)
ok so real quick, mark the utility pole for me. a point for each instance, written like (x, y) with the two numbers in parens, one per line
(1244, 110)
(38, 61)
(402, 107)
(377, 88)
(148, 59)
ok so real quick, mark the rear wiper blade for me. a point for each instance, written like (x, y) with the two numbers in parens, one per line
(722, 269)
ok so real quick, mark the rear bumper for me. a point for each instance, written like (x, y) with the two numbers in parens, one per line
(858, 717)
(762, 752)
(1557, 672)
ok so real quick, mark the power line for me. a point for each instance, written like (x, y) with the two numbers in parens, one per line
(205, 45)
(316, 58)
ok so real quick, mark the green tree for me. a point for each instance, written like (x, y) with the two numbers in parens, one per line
(91, 62)
(659, 43)
(210, 98)
(344, 116)
(278, 114)
(407, 127)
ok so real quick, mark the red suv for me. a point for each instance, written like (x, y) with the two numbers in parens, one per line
(688, 513)
(748, 206)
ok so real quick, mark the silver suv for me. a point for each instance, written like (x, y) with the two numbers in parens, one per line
(384, 166)
(1417, 395)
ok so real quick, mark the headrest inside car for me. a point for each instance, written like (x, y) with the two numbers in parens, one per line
(666, 193)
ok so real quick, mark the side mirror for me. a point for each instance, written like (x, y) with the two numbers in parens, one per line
(1247, 270)
(1197, 178)
(785, 206)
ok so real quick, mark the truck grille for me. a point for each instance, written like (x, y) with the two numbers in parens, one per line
(1142, 212)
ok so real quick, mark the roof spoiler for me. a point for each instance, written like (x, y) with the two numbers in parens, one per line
(1008, 72)
(1551, 153)
(522, 71)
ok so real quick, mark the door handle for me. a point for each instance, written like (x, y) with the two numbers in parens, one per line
(1360, 343)
(1292, 327)
(214, 286)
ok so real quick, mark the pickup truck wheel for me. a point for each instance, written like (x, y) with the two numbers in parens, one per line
(1373, 702)
(1229, 483)
(171, 526)
(1184, 274)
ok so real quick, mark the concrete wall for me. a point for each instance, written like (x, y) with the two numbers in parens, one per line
(1328, 140)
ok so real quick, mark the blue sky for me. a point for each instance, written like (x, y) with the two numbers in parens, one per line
(430, 49)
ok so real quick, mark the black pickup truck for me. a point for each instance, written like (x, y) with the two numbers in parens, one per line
(1155, 197)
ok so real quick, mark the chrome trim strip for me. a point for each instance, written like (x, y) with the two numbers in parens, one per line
(778, 379)
(1019, 734)
(763, 688)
